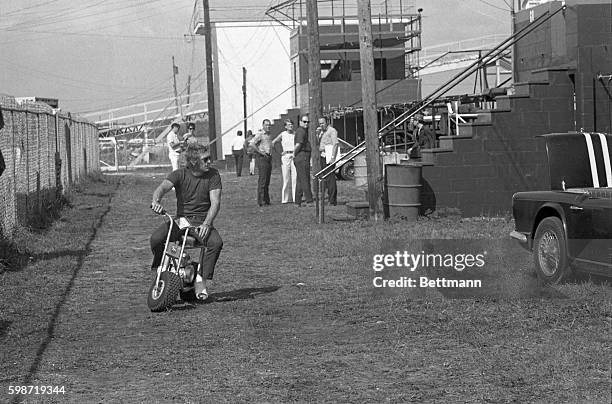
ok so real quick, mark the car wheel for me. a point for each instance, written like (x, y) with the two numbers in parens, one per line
(347, 172)
(550, 251)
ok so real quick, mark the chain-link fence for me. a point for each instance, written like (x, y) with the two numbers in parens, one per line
(44, 152)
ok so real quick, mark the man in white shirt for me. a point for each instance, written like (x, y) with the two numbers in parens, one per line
(174, 145)
(238, 152)
(328, 147)
(287, 139)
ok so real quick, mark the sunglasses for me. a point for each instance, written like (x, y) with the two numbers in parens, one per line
(305, 121)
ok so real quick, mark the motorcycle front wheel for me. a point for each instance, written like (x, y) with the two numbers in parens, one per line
(163, 294)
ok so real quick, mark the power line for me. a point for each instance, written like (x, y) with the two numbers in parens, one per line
(474, 10)
(28, 8)
(230, 71)
(256, 111)
(157, 94)
(281, 42)
(47, 74)
(119, 21)
(45, 19)
(176, 38)
(96, 28)
(165, 108)
(256, 54)
(229, 42)
(492, 5)
(53, 19)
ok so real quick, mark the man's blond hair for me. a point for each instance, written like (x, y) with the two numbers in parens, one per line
(193, 154)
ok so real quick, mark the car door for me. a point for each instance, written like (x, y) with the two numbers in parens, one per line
(592, 243)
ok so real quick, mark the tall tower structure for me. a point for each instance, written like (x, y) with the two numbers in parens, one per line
(396, 34)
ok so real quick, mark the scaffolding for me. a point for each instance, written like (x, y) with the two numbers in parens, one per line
(396, 26)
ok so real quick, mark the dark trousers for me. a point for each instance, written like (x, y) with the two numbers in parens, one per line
(208, 255)
(239, 156)
(264, 166)
(302, 168)
(330, 184)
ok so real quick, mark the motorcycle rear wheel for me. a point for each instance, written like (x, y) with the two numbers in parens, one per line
(163, 294)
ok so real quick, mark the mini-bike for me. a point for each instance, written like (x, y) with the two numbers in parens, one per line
(177, 272)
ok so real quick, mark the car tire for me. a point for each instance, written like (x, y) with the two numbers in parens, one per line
(550, 252)
(347, 171)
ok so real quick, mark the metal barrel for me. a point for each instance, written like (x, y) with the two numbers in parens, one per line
(403, 183)
(361, 170)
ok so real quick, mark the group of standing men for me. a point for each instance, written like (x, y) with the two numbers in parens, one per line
(295, 160)
(295, 155)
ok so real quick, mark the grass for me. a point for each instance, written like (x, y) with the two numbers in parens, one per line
(17, 250)
(293, 315)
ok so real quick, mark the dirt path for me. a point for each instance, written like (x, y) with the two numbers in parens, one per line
(100, 333)
(292, 317)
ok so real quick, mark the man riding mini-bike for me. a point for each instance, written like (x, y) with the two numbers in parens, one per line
(198, 199)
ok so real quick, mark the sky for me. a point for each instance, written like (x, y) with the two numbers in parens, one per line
(98, 54)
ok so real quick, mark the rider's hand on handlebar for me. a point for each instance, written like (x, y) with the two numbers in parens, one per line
(204, 231)
(157, 208)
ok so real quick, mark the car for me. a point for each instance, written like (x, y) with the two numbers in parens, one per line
(347, 170)
(569, 227)
(390, 142)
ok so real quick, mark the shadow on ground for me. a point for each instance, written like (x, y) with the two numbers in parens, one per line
(240, 294)
(4, 326)
(230, 296)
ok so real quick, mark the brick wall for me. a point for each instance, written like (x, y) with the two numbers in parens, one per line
(557, 62)
(577, 39)
(482, 172)
(44, 153)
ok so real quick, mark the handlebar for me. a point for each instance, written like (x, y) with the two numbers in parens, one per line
(163, 212)
(191, 229)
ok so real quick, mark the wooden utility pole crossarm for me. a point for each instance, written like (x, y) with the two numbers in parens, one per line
(370, 121)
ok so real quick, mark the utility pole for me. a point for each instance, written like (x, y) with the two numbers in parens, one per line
(244, 101)
(176, 101)
(315, 97)
(210, 89)
(514, 58)
(370, 120)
